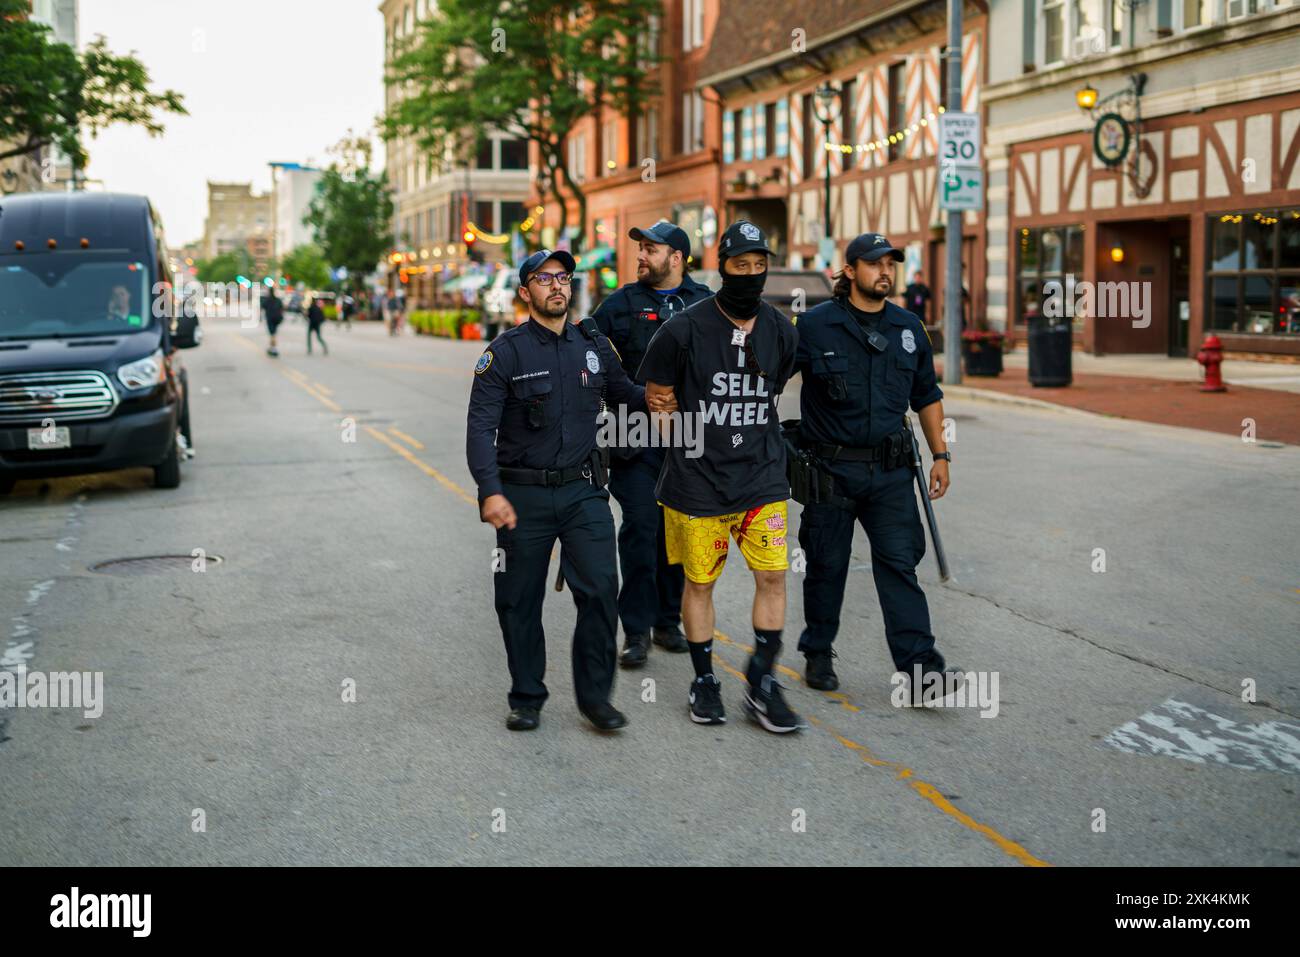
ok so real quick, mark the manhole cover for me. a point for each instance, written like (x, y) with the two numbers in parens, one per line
(151, 564)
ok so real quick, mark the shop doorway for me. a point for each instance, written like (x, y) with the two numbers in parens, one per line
(1142, 279)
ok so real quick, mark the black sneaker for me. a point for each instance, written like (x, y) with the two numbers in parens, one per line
(671, 639)
(706, 701)
(635, 648)
(818, 672)
(767, 706)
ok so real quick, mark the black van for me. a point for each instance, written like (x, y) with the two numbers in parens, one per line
(90, 375)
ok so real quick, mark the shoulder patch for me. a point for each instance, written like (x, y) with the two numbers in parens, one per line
(484, 361)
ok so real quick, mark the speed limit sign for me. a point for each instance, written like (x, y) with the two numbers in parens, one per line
(959, 138)
(959, 161)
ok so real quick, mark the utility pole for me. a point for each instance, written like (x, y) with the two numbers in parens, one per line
(952, 303)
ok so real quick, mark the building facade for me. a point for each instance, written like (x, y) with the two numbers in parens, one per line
(659, 164)
(292, 190)
(872, 132)
(1178, 188)
(238, 219)
(437, 198)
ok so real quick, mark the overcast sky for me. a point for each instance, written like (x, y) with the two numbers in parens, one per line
(263, 80)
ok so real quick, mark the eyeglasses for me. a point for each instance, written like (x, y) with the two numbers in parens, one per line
(546, 278)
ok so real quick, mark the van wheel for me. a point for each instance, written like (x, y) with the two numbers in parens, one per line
(167, 473)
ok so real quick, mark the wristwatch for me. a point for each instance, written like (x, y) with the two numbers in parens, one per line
(946, 456)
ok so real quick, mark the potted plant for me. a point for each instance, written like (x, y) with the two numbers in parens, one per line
(981, 350)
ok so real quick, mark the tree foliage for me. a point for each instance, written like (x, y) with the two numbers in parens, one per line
(352, 211)
(50, 95)
(528, 68)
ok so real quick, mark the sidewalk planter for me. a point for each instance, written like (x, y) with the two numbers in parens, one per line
(448, 323)
(981, 353)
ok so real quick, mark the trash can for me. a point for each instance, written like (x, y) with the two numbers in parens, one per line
(1051, 344)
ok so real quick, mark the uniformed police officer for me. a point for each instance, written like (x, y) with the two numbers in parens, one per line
(863, 361)
(531, 445)
(650, 598)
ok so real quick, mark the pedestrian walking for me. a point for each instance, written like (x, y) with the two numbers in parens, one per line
(864, 361)
(273, 312)
(727, 359)
(315, 320)
(650, 593)
(531, 445)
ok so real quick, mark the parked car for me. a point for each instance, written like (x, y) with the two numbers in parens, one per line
(781, 287)
(91, 377)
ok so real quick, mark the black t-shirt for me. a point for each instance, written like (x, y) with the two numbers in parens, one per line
(916, 298)
(729, 392)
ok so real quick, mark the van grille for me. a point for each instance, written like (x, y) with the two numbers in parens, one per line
(30, 397)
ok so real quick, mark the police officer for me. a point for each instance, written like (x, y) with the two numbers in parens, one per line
(864, 360)
(650, 599)
(531, 444)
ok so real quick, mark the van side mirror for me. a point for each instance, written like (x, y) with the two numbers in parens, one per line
(186, 332)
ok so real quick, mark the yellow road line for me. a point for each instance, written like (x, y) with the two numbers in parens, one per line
(326, 390)
(424, 467)
(923, 788)
(412, 442)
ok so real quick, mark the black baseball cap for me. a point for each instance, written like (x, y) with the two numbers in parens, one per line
(740, 237)
(871, 246)
(664, 233)
(534, 263)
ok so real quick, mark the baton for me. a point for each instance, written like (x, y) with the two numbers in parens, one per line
(919, 473)
(559, 578)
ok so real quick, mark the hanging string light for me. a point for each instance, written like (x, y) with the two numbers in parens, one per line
(885, 141)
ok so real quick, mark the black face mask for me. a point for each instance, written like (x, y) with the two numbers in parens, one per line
(740, 293)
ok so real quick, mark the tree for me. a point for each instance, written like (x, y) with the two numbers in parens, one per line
(529, 68)
(50, 94)
(226, 267)
(306, 264)
(352, 211)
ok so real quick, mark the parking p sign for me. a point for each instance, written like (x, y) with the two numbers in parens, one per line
(961, 181)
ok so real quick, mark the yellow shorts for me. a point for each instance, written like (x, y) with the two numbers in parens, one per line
(700, 544)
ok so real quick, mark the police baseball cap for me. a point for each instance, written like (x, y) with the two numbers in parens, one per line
(534, 263)
(664, 233)
(740, 237)
(871, 246)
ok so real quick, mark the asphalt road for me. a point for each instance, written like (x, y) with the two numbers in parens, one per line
(1120, 691)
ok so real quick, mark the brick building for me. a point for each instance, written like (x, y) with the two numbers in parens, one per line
(1204, 94)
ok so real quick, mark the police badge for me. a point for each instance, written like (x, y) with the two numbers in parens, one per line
(909, 341)
(593, 362)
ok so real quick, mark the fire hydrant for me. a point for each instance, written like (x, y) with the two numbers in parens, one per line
(1211, 357)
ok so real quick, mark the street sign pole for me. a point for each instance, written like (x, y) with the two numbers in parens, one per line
(952, 234)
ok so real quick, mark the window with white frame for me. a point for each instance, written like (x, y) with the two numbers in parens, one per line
(1076, 29)
(692, 122)
(1195, 13)
(688, 22)
(1236, 9)
(578, 157)
(609, 148)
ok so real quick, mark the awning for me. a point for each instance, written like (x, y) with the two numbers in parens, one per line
(597, 256)
(466, 283)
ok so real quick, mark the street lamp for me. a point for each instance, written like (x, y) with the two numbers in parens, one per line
(1086, 98)
(826, 106)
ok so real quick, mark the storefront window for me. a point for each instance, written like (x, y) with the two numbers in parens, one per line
(1288, 240)
(1043, 256)
(1247, 294)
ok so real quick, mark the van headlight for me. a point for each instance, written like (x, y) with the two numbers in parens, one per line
(143, 372)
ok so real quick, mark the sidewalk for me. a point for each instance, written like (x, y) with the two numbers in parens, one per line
(1166, 392)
